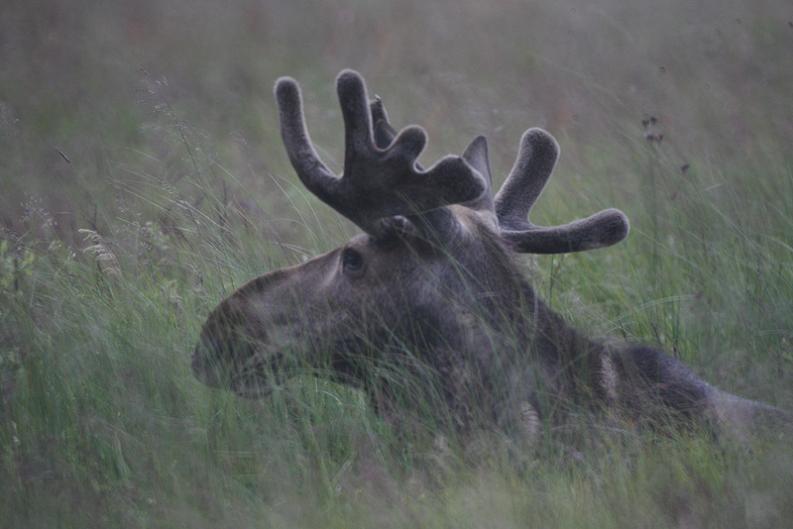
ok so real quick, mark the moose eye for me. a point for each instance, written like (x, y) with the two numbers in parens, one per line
(351, 261)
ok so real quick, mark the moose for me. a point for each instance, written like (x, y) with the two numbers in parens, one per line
(429, 308)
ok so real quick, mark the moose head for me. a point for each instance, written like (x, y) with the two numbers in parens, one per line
(431, 286)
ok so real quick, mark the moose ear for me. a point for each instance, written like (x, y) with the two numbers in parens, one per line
(476, 156)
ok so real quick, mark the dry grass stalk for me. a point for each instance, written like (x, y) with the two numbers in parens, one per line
(106, 260)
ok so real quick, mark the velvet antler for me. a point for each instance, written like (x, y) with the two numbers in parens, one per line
(536, 159)
(377, 181)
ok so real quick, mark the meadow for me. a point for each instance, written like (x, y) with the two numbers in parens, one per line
(142, 179)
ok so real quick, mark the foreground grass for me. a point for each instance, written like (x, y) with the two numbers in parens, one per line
(102, 423)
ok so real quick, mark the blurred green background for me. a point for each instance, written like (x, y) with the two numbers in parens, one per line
(103, 81)
(142, 178)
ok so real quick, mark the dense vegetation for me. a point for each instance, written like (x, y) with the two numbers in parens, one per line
(142, 179)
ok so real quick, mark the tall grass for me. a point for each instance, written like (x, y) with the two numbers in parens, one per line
(133, 200)
(107, 426)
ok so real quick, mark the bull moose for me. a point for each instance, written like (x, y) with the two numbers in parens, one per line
(429, 306)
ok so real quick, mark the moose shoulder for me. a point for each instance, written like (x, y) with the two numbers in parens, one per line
(429, 307)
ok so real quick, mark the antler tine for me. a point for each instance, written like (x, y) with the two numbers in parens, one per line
(475, 154)
(358, 139)
(602, 229)
(314, 174)
(536, 159)
(413, 139)
(384, 133)
(379, 180)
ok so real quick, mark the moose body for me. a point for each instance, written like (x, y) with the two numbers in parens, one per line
(429, 308)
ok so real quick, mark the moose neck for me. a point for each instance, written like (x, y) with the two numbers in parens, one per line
(483, 332)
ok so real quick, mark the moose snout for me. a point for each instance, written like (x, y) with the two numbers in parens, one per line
(234, 361)
(206, 366)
